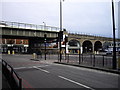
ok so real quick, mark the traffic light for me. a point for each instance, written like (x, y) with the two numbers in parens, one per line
(60, 35)
(45, 36)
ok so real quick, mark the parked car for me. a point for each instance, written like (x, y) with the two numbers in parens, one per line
(109, 53)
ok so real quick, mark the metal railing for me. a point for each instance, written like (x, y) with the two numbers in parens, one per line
(13, 79)
(93, 60)
(28, 26)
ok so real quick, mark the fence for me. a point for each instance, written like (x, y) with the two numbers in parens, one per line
(13, 79)
(49, 54)
(28, 26)
(103, 61)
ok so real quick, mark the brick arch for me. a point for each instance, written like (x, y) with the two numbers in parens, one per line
(74, 46)
(87, 46)
(74, 42)
(97, 46)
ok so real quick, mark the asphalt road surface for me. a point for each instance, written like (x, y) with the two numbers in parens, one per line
(46, 74)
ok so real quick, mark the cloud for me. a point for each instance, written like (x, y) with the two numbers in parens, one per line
(94, 17)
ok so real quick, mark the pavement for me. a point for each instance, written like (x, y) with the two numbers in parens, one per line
(90, 67)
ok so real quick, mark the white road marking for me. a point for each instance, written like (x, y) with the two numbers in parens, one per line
(20, 68)
(23, 68)
(41, 69)
(46, 65)
(76, 83)
(17, 68)
(43, 65)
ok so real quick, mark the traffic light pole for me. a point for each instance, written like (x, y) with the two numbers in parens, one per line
(45, 36)
(65, 46)
(60, 30)
(60, 45)
(114, 44)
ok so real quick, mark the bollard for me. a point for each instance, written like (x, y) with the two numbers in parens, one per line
(34, 55)
(97, 52)
(94, 61)
(119, 63)
(79, 52)
(79, 58)
(103, 61)
(68, 59)
(8, 51)
(13, 52)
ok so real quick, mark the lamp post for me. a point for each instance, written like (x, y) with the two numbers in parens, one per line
(60, 29)
(114, 44)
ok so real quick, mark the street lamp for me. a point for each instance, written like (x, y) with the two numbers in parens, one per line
(44, 25)
(114, 44)
(60, 28)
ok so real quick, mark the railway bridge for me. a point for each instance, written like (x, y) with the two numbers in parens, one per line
(37, 34)
(88, 43)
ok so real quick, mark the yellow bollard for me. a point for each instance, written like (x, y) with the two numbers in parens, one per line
(94, 52)
(13, 52)
(61, 52)
(79, 52)
(8, 51)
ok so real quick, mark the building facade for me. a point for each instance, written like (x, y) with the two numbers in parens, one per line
(18, 45)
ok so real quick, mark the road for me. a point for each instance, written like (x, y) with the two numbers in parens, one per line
(46, 74)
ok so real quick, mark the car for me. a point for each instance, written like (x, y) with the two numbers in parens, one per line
(109, 53)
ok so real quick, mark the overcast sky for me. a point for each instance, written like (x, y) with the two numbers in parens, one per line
(79, 16)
